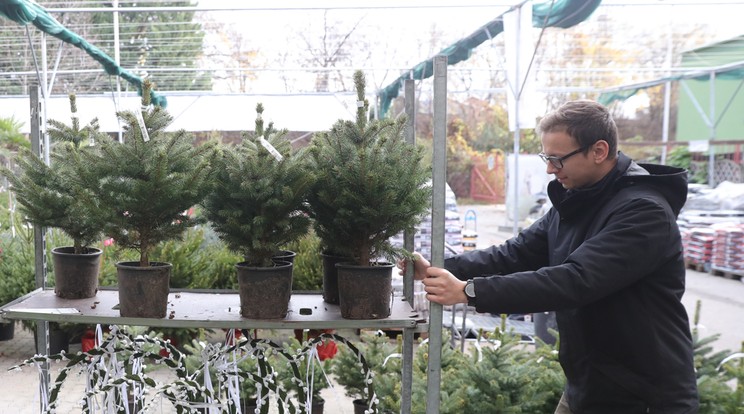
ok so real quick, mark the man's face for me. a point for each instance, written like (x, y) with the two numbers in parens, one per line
(579, 170)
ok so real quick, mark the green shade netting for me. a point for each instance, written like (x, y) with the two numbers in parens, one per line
(625, 92)
(24, 12)
(557, 13)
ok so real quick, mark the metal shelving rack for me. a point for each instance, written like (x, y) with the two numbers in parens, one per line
(219, 309)
(200, 309)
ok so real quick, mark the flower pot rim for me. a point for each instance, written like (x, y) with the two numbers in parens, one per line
(278, 263)
(135, 264)
(355, 265)
(92, 251)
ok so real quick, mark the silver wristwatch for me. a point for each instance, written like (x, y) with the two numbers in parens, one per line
(470, 292)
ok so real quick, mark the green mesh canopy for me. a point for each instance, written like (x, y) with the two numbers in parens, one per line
(24, 12)
(556, 13)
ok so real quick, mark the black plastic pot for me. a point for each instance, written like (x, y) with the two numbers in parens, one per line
(330, 277)
(143, 291)
(360, 406)
(284, 256)
(264, 291)
(7, 331)
(59, 340)
(365, 292)
(76, 275)
(318, 406)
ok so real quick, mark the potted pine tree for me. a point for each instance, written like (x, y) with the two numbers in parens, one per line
(146, 185)
(371, 186)
(255, 208)
(58, 196)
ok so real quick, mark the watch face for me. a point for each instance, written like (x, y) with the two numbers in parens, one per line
(470, 289)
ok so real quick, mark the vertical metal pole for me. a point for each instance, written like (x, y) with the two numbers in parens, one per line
(517, 91)
(711, 148)
(667, 96)
(117, 59)
(409, 236)
(42, 328)
(665, 121)
(408, 244)
(439, 176)
(45, 75)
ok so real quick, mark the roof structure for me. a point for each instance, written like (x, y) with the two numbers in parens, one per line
(554, 13)
(199, 112)
(569, 63)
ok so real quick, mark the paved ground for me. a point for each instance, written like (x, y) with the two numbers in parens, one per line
(722, 310)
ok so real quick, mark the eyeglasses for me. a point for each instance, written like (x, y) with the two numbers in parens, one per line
(557, 162)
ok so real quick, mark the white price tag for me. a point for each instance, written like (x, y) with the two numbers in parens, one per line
(270, 148)
(143, 129)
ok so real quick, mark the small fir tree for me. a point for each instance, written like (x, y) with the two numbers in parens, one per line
(371, 184)
(312, 371)
(147, 183)
(59, 195)
(255, 205)
(350, 373)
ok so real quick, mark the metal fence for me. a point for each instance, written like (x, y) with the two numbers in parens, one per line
(720, 161)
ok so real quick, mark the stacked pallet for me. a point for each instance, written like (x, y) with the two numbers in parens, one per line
(697, 243)
(728, 251)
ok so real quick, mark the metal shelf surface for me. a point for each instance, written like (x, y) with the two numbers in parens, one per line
(200, 309)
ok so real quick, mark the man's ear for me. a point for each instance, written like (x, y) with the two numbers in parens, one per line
(600, 151)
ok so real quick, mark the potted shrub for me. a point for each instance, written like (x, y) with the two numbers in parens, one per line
(146, 186)
(57, 196)
(358, 366)
(313, 370)
(255, 208)
(371, 186)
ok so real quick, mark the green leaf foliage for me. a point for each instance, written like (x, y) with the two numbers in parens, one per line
(720, 384)
(58, 195)
(17, 275)
(371, 184)
(347, 368)
(305, 361)
(11, 138)
(255, 205)
(147, 183)
(512, 379)
(307, 273)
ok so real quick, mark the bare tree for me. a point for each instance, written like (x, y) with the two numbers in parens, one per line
(333, 44)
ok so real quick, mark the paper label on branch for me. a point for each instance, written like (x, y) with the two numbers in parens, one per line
(141, 123)
(360, 104)
(270, 148)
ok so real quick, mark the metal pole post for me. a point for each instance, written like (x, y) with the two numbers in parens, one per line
(42, 327)
(439, 177)
(408, 244)
(117, 59)
(711, 148)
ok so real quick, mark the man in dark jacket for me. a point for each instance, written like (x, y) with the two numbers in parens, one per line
(607, 258)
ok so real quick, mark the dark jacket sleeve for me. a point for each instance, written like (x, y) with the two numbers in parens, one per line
(632, 242)
(526, 251)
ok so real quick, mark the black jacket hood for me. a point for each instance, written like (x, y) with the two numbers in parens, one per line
(671, 182)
